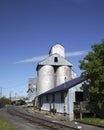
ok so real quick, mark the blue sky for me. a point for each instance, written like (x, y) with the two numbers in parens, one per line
(29, 28)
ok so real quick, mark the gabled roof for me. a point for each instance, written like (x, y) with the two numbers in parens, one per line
(50, 61)
(66, 85)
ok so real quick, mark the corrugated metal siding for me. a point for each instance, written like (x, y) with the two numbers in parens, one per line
(58, 105)
(61, 107)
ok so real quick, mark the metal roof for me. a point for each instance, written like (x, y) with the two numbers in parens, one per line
(50, 61)
(65, 86)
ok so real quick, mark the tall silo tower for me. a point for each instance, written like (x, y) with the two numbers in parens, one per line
(63, 74)
(45, 78)
(54, 70)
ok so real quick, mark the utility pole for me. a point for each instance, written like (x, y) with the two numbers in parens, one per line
(0, 92)
(10, 95)
(64, 97)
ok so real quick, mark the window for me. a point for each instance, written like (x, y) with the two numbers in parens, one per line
(55, 59)
(79, 96)
(47, 98)
(53, 98)
(62, 97)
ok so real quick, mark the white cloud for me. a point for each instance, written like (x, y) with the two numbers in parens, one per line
(76, 53)
(39, 58)
(33, 59)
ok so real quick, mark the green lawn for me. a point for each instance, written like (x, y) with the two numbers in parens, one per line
(97, 121)
(4, 125)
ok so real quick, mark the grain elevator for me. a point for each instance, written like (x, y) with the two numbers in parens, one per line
(54, 70)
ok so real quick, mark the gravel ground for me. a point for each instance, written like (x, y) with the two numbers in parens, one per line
(22, 124)
(64, 120)
(25, 125)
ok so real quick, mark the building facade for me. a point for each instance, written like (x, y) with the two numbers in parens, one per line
(54, 70)
(61, 98)
(57, 85)
(32, 92)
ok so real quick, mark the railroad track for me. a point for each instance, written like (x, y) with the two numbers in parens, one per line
(49, 125)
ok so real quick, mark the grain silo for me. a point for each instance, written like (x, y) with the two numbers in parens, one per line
(62, 74)
(54, 70)
(45, 78)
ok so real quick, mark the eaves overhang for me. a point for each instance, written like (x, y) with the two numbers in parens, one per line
(65, 86)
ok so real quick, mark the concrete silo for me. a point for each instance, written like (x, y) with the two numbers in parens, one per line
(63, 74)
(53, 70)
(45, 78)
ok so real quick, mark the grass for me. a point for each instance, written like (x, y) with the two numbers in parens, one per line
(96, 121)
(4, 125)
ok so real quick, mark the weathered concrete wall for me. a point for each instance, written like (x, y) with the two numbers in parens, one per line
(45, 79)
(63, 74)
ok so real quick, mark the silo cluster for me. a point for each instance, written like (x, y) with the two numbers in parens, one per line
(54, 70)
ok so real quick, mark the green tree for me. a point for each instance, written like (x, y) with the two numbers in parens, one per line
(5, 100)
(93, 70)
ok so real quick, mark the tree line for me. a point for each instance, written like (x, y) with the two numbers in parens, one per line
(92, 66)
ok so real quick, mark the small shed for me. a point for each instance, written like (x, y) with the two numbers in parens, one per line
(61, 98)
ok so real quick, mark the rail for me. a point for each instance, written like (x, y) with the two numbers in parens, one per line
(50, 125)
